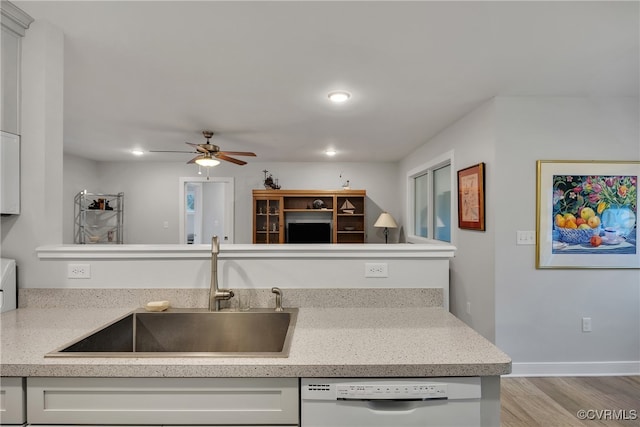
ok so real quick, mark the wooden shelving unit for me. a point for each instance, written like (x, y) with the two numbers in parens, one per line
(273, 209)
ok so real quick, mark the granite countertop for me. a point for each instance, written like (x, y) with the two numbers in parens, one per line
(327, 342)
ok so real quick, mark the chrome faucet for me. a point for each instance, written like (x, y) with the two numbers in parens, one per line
(216, 294)
(278, 293)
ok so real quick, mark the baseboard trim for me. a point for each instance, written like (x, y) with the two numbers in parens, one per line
(574, 369)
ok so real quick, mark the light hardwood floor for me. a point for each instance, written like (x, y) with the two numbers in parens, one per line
(556, 401)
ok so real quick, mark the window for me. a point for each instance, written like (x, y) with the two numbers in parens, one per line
(430, 187)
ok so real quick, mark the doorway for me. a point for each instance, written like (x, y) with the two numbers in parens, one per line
(206, 209)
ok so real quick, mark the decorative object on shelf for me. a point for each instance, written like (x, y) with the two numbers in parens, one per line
(587, 214)
(269, 182)
(346, 186)
(386, 221)
(319, 204)
(471, 198)
(349, 228)
(347, 207)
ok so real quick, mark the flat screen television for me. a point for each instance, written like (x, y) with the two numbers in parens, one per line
(309, 232)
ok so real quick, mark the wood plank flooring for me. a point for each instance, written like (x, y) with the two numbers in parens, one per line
(556, 401)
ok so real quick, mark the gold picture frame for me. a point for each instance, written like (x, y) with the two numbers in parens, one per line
(471, 198)
(587, 214)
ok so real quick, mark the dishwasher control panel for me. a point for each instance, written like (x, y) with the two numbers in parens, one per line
(392, 392)
(427, 388)
(385, 391)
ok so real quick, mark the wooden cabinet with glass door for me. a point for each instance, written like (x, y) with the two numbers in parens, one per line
(267, 223)
(275, 210)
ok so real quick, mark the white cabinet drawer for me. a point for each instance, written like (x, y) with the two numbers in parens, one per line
(162, 401)
(12, 401)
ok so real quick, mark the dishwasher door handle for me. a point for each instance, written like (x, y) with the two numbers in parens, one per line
(394, 406)
(409, 399)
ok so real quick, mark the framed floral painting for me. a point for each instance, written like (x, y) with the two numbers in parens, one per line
(587, 214)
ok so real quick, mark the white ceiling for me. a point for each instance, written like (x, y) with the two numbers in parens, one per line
(153, 74)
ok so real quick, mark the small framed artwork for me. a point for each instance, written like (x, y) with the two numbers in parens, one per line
(587, 214)
(471, 197)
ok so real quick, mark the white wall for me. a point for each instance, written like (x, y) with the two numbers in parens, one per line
(472, 138)
(151, 191)
(40, 220)
(538, 312)
(535, 315)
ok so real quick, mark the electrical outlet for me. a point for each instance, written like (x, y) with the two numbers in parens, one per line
(468, 307)
(586, 324)
(79, 271)
(376, 269)
(525, 237)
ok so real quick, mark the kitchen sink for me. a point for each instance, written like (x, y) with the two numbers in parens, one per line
(189, 333)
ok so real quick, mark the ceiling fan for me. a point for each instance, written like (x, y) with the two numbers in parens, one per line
(209, 154)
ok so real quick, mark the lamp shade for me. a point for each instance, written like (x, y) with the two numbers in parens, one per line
(386, 220)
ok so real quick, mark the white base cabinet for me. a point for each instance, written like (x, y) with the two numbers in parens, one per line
(13, 409)
(163, 401)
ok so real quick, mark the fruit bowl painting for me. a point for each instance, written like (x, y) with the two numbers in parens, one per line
(581, 205)
(577, 236)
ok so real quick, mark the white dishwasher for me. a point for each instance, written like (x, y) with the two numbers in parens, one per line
(390, 402)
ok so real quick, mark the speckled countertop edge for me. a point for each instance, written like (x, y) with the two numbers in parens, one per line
(327, 342)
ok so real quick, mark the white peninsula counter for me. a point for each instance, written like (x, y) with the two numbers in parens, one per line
(349, 325)
(346, 342)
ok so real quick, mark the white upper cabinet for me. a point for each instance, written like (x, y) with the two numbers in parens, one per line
(14, 22)
(9, 173)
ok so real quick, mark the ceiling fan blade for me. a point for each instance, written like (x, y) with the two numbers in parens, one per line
(238, 153)
(229, 159)
(200, 148)
(169, 151)
(194, 159)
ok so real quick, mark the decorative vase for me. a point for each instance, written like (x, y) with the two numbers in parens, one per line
(619, 218)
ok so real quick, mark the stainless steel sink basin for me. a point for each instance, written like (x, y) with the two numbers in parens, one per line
(189, 333)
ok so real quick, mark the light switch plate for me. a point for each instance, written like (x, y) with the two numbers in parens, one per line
(525, 237)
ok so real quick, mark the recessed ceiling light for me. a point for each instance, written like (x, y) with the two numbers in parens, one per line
(330, 152)
(339, 96)
(137, 152)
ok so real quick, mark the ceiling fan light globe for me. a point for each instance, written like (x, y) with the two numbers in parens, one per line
(207, 162)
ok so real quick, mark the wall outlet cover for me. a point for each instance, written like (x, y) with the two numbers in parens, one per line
(79, 271)
(376, 269)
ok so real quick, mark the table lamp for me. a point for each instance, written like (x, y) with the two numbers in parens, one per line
(386, 220)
